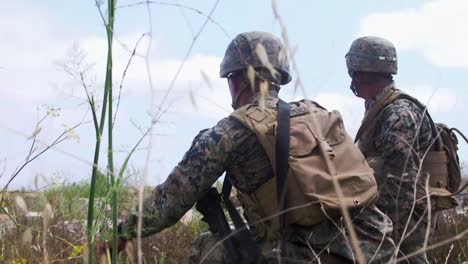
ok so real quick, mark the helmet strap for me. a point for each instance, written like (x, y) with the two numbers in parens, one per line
(352, 86)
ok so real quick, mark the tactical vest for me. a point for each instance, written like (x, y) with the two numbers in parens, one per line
(310, 197)
(435, 163)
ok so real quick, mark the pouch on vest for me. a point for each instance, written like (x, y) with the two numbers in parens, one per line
(310, 195)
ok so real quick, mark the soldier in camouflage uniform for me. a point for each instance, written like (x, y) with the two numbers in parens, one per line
(231, 147)
(393, 141)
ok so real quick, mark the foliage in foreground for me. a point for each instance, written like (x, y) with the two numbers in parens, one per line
(66, 231)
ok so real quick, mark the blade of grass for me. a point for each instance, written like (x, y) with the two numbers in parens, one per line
(107, 85)
(110, 153)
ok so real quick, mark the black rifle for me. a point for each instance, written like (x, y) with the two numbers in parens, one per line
(240, 245)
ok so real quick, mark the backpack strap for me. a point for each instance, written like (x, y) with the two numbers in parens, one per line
(461, 189)
(239, 224)
(388, 98)
(249, 250)
(282, 163)
(282, 152)
(438, 144)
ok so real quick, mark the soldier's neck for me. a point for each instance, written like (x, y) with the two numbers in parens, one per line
(373, 90)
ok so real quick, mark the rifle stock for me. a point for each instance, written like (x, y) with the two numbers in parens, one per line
(210, 207)
(240, 245)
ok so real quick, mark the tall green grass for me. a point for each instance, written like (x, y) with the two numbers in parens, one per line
(107, 102)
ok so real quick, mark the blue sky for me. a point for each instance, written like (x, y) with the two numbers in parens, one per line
(39, 36)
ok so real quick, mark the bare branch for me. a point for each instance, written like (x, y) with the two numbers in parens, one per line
(34, 136)
(290, 50)
(124, 74)
(78, 69)
(150, 141)
(187, 54)
(98, 5)
(57, 141)
(207, 16)
(461, 235)
(3, 171)
(187, 22)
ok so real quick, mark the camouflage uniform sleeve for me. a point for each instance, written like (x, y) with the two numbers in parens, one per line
(205, 161)
(399, 132)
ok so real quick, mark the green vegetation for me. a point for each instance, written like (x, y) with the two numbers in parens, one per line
(450, 224)
(87, 211)
(67, 230)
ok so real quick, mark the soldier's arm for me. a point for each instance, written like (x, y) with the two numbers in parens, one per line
(397, 135)
(200, 167)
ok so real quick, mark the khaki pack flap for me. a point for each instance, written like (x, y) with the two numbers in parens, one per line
(435, 163)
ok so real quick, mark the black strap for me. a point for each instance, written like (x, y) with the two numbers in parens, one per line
(250, 251)
(235, 216)
(282, 151)
(282, 162)
(227, 187)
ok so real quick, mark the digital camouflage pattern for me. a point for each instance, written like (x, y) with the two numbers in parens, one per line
(399, 136)
(243, 51)
(372, 54)
(230, 147)
(322, 243)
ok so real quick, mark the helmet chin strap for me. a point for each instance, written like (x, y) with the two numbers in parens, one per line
(352, 86)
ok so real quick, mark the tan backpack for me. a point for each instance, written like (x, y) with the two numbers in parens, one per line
(441, 162)
(317, 137)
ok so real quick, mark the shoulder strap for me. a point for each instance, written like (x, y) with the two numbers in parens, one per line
(282, 150)
(438, 144)
(385, 101)
(235, 216)
(374, 111)
(419, 104)
(282, 164)
(466, 140)
(249, 249)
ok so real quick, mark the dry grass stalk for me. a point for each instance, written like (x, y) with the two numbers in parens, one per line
(263, 56)
(263, 93)
(448, 254)
(46, 216)
(21, 204)
(27, 236)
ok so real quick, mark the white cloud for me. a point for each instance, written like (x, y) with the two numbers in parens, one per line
(30, 77)
(209, 97)
(31, 50)
(350, 107)
(437, 30)
(161, 70)
(438, 100)
(30, 74)
(26, 49)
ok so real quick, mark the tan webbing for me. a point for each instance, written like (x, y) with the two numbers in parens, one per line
(389, 96)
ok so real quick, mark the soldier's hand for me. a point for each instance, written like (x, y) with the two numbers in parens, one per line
(103, 246)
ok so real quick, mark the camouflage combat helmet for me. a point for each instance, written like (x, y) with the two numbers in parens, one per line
(242, 51)
(372, 54)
